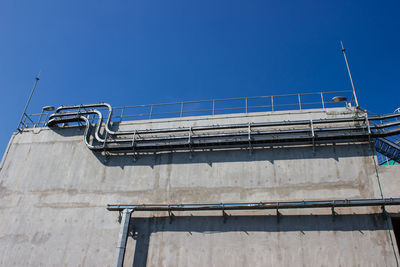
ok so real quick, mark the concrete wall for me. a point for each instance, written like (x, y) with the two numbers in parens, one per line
(54, 192)
(390, 179)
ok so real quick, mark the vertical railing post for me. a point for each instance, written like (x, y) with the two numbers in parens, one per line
(122, 114)
(322, 100)
(213, 107)
(246, 105)
(40, 119)
(181, 109)
(272, 102)
(299, 101)
(24, 121)
(46, 119)
(151, 112)
(367, 123)
(123, 236)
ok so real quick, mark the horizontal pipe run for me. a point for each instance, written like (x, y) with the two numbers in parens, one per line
(259, 205)
(193, 138)
(56, 118)
(70, 118)
(59, 114)
(238, 134)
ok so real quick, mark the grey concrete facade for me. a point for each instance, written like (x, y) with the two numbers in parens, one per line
(54, 192)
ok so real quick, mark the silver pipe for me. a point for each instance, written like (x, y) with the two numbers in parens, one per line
(73, 116)
(214, 127)
(280, 132)
(258, 205)
(122, 238)
(238, 134)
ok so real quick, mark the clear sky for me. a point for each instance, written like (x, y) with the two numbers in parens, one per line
(138, 52)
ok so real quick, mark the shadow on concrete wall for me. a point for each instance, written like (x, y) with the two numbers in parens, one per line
(271, 154)
(267, 153)
(142, 228)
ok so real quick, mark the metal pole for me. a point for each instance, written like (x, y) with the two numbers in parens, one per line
(213, 108)
(151, 111)
(29, 100)
(122, 114)
(123, 236)
(299, 101)
(260, 205)
(181, 109)
(272, 102)
(351, 79)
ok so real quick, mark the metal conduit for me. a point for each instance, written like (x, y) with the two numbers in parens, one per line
(208, 140)
(128, 209)
(258, 205)
(122, 238)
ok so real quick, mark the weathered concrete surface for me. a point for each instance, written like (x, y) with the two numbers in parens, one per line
(390, 179)
(54, 190)
(390, 182)
(350, 240)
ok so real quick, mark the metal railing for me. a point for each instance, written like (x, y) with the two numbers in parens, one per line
(231, 105)
(319, 100)
(34, 120)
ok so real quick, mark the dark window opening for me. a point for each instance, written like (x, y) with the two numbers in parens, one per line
(396, 230)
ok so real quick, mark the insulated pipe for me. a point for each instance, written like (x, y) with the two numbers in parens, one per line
(205, 140)
(123, 236)
(75, 117)
(236, 135)
(213, 127)
(99, 105)
(52, 122)
(259, 205)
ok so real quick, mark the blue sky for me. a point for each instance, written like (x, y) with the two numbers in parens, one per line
(140, 52)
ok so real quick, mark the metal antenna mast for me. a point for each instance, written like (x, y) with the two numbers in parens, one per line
(351, 79)
(27, 103)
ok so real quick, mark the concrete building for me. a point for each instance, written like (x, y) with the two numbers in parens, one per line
(270, 178)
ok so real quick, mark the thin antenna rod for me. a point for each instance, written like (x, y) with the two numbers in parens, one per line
(351, 79)
(27, 103)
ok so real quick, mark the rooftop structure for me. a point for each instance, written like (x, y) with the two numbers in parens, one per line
(258, 181)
